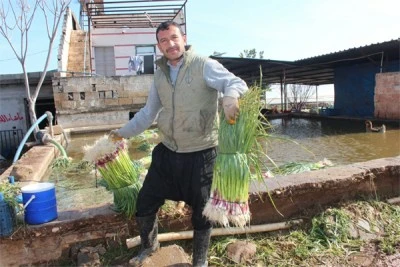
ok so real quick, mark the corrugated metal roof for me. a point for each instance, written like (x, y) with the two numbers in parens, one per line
(316, 70)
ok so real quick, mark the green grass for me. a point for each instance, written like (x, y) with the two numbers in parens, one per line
(327, 239)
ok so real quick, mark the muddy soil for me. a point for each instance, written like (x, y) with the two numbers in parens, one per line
(178, 253)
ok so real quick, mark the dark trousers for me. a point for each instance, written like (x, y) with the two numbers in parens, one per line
(178, 177)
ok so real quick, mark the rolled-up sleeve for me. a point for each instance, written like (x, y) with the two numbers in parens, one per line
(145, 117)
(221, 79)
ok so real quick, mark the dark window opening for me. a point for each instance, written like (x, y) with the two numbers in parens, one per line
(70, 96)
(43, 105)
(82, 95)
(114, 94)
(131, 114)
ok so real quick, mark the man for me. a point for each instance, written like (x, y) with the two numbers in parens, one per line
(184, 96)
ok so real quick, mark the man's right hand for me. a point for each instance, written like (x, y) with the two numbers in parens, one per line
(114, 136)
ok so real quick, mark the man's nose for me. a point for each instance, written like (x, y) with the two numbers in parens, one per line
(171, 42)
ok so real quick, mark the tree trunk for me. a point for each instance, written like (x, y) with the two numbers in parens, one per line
(32, 114)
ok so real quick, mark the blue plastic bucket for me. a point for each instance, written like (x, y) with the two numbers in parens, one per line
(40, 203)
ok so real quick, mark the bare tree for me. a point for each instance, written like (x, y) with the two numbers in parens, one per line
(16, 18)
(299, 95)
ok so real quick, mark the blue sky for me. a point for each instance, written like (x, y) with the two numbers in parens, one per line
(283, 29)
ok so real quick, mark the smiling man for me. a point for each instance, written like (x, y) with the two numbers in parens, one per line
(184, 99)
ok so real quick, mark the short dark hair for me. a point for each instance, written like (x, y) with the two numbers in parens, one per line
(165, 26)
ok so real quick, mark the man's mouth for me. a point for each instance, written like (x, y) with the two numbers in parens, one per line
(173, 49)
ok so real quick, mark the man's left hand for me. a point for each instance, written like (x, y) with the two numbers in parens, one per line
(231, 108)
(114, 136)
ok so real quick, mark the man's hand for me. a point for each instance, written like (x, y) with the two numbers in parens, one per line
(231, 108)
(114, 136)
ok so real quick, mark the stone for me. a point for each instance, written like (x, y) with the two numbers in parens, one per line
(22, 172)
(173, 255)
(241, 251)
(89, 256)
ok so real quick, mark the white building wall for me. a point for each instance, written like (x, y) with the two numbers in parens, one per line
(12, 109)
(13, 112)
(124, 42)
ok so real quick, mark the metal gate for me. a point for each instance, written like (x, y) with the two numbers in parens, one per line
(9, 142)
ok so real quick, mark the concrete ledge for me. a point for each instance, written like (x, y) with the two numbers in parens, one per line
(293, 194)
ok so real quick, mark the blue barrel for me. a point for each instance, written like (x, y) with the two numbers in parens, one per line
(40, 203)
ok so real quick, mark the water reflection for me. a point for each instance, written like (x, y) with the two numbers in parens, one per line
(341, 141)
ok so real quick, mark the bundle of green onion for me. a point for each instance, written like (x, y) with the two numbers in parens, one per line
(122, 177)
(298, 167)
(239, 154)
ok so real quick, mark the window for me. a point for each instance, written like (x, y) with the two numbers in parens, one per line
(147, 53)
(145, 50)
(104, 61)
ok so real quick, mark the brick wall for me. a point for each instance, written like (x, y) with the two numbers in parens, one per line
(387, 95)
(98, 101)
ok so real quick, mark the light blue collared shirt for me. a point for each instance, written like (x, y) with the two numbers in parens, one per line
(215, 75)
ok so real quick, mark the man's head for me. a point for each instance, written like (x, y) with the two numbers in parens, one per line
(171, 41)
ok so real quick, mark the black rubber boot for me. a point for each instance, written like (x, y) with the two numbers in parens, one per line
(148, 226)
(201, 242)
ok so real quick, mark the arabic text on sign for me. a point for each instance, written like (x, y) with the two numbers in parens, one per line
(9, 117)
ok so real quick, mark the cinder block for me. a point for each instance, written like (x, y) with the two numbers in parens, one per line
(68, 104)
(125, 101)
(111, 102)
(139, 100)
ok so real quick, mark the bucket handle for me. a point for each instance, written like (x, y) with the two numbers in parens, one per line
(29, 201)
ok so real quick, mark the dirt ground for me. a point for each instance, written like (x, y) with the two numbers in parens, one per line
(174, 255)
(178, 254)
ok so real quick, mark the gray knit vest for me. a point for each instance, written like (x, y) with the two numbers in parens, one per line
(189, 120)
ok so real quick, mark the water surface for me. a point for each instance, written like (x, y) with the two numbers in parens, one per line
(341, 141)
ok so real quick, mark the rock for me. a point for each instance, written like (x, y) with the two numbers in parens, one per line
(360, 259)
(89, 256)
(241, 251)
(22, 172)
(173, 255)
(57, 129)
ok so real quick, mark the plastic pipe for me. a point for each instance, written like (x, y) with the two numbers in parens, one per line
(45, 138)
(28, 133)
(60, 147)
(135, 241)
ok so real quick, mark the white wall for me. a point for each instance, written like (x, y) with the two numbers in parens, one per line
(12, 109)
(12, 100)
(124, 42)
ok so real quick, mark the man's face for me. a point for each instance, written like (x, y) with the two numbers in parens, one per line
(171, 43)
